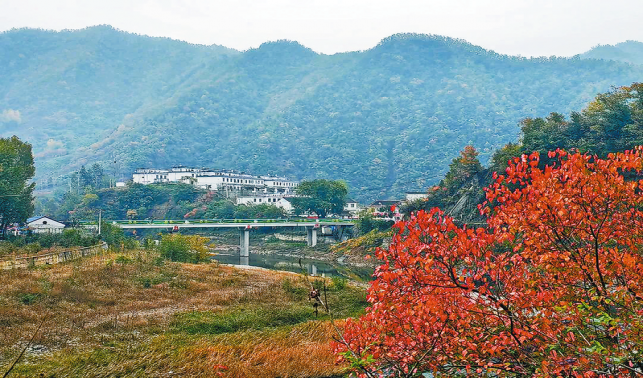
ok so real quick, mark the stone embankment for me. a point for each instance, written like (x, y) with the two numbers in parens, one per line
(50, 258)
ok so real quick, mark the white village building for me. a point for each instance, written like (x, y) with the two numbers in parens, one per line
(44, 225)
(352, 207)
(279, 200)
(218, 180)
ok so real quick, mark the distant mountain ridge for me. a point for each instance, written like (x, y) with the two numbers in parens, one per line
(628, 52)
(386, 120)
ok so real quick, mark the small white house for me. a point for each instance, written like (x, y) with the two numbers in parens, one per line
(352, 206)
(44, 225)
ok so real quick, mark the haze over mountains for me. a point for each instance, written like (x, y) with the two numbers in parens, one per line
(386, 120)
(628, 51)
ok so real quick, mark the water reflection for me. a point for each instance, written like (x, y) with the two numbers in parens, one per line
(295, 264)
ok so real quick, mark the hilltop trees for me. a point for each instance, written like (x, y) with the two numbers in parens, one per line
(321, 196)
(612, 122)
(16, 169)
(551, 288)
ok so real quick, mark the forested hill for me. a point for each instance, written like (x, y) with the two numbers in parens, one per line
(629, 52)
(386, 120)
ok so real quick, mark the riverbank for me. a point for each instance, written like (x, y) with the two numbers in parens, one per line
(135, 315)
(293, 246)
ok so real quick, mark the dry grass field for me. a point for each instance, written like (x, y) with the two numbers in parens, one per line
(135, 315)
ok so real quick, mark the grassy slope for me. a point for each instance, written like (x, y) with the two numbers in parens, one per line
(140, 318)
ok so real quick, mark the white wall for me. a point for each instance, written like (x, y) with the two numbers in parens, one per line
(352, 207)
(266, 200)
(415, 196)
(149, 178)
(46, 226)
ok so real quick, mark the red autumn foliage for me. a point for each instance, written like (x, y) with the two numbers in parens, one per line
(552, 287)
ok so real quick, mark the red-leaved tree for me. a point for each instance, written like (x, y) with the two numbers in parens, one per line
(552, 287)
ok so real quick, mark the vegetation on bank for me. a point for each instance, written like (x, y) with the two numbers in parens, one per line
(184, 248)
(134, 314)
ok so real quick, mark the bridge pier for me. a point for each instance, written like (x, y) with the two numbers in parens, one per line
(311, 236)
(244, 242)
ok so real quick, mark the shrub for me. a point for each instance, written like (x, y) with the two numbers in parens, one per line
(339, 283)
(184, 248)
(122, 259)
(33, 248)
(28, 298)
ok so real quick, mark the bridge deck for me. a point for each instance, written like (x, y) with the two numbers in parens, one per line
(223, 223)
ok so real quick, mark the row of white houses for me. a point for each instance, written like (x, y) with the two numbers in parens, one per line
(215, 179)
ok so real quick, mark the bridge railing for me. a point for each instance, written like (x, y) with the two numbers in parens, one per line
(198, 221)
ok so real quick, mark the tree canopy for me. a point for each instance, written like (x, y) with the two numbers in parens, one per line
(551, 288)
(612, 122)
(16, 170)
(321, 196)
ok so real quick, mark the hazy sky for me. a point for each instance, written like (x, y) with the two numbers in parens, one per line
(525, 27)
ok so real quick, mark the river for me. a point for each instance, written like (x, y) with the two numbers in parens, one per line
(295, 264)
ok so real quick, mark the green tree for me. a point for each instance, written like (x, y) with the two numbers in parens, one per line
(16, 193)
(97, 174)
(462, 168)
(321, 196)
(86, 178)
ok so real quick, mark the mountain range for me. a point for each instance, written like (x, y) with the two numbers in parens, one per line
(385, 120)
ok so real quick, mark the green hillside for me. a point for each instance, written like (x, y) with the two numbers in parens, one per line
(386, 120)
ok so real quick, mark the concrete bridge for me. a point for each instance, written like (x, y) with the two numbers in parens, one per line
(312, 226)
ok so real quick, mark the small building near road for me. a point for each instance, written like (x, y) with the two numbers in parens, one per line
(44, 225)
(386, 209)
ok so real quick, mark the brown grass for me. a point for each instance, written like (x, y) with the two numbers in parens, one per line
(105, 318)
